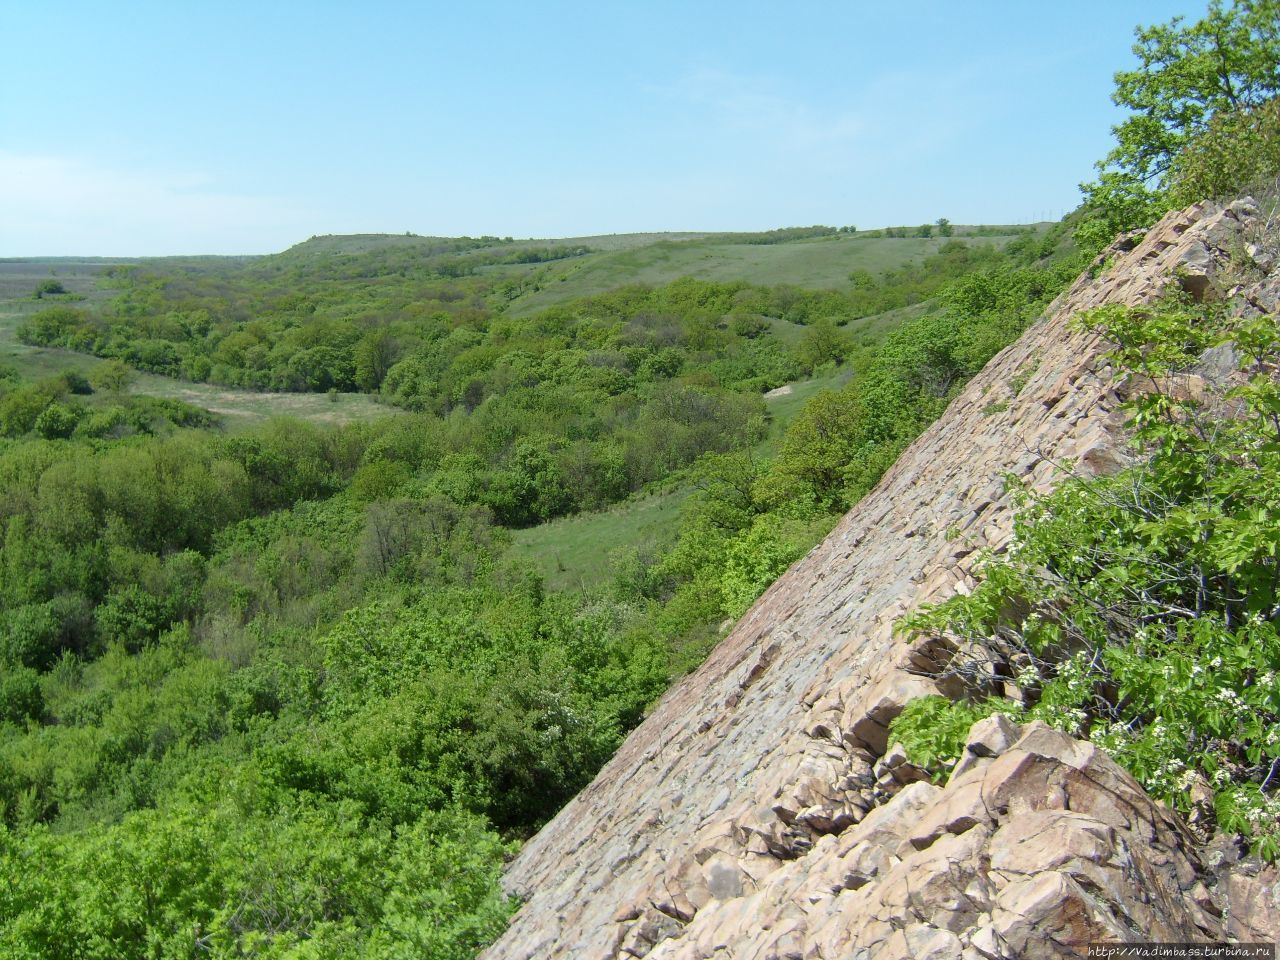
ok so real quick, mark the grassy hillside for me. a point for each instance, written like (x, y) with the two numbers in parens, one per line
(579, 553)
(615, 260)
(820, 262)
(346, 244)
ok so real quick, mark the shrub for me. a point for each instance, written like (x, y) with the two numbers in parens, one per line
(20, 697)
(1140, 610)
(49, 288)
(57, 421)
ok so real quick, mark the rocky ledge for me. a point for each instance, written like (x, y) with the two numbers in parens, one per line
(1038, 846)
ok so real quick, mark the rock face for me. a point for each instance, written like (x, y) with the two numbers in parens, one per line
(756, 813)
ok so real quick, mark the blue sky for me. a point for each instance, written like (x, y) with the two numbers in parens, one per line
(165, 128)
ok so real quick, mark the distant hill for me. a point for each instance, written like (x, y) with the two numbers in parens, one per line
(310, 304)
(822, 262)
(568, 268)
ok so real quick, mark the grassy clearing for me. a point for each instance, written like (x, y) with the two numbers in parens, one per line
(246, 407)
(19, 279)
(574, 552)
(785, 402)
(822, 262)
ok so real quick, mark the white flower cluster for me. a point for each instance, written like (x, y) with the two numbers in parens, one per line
(1028, 676)
(1186, 780)
(1170, 775)
(1071, 721)
(1233, 704)
(1262, 812)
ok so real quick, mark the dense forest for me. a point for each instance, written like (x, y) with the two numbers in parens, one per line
(306, 651)
(285, 690)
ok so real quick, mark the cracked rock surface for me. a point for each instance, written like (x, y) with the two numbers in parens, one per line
(757, 812)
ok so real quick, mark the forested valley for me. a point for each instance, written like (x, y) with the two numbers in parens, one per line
(293, 686)
(284, 688)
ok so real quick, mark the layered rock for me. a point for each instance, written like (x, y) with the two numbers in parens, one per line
(757, 812)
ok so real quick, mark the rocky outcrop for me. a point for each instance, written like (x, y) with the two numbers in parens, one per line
(1038, 846)
(757, 811)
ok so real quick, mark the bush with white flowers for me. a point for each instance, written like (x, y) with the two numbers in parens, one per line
(1141, 610)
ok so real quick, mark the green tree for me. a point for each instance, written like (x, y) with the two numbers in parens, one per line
(1186, 74)
(49, 288)
(113, 376)
(944, 227)
(376, 353)
(823, 342)
(57, 421)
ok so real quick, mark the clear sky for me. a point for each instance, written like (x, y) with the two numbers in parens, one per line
(243, 127)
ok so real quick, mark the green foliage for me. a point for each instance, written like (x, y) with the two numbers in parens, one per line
(1140, 610)
(1186, 74)
(20, 696)
(760, 554)
(303, 883)
(49, 288)
(1238, 150)
(113, 376)
(56, 422)
(933, 730)
(823, 344)
(1191, 98)
(52, 325)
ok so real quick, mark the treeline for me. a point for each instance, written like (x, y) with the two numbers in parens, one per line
(437, 344)
(785, 235)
